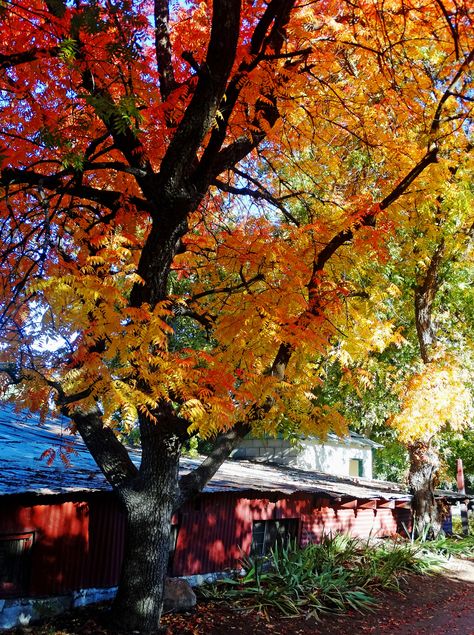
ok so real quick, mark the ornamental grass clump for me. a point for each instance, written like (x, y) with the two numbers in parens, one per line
(338, 574)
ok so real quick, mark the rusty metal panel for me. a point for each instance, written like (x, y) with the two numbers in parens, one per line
(210, 539)
(106, 542)
(360, 522)
(76, 544)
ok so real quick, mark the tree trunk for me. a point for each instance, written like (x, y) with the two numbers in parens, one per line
(149, 504)
(424, 465)
(424, 459)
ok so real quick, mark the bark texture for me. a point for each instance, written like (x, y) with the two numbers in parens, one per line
(149, 500)
(423, 454)
(423, 479)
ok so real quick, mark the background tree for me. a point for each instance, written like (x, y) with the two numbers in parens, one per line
(146, 155)
(438, 395)
(419, 377)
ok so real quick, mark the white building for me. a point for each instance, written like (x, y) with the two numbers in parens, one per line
(347, 456)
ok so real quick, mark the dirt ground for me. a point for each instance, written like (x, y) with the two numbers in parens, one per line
(434, 605)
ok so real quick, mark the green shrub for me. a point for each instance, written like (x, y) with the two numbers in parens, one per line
(336, 575)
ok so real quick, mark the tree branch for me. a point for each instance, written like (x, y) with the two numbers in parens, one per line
(258, 195)
(276, 15)
(452, 28)
(192, 483)
(367, 220)
(229, 290)
(201, 111)
(163, 49)
(447, 93)
(109, 454)
(425, 294)
(16, 59)
(124, 138)
(107, 198)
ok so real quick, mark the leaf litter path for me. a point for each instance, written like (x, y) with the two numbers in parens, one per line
(429, 605)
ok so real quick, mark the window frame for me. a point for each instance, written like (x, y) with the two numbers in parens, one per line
(360, 467)
(275, 531)
(21, 569)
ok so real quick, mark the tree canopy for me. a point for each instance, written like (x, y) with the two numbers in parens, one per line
(185, 191)
(350, 101)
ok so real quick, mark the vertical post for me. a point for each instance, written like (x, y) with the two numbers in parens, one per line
(460, 477)
(462, 490)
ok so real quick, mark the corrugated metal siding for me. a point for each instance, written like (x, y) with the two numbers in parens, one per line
(356, 522)
(59, 551)
(209, 536)
(106, 541)
(213, 537)
(79, 544)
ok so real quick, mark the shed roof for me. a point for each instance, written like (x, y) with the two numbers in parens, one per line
(352, 438)
(24, 439)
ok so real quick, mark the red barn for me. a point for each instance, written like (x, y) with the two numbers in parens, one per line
(62, 531)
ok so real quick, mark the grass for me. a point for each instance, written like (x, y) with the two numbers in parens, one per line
(455, 546)
(334, 576)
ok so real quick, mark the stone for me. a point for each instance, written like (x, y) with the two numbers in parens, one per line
(178, 596)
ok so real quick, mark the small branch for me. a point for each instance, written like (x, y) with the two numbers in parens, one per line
(452, 28)
(447, 93)
(257, 195)
(205, 319)
(367, 220)
(192, 483)
(430, 157)
(229, 290)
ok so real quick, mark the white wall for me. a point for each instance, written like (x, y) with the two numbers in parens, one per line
(309, 454)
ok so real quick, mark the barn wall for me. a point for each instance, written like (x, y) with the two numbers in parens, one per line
(78, 543)
(226, 522)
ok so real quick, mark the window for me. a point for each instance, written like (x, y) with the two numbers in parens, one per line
(356, 467)
(267, 533)
(14, 562)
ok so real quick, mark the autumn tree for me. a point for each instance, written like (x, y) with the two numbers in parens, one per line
(150, 228)
(438, 394)
(417, 309)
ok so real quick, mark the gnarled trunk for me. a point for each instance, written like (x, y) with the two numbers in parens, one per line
(139, 599)
(424, 465)
(149, 504)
